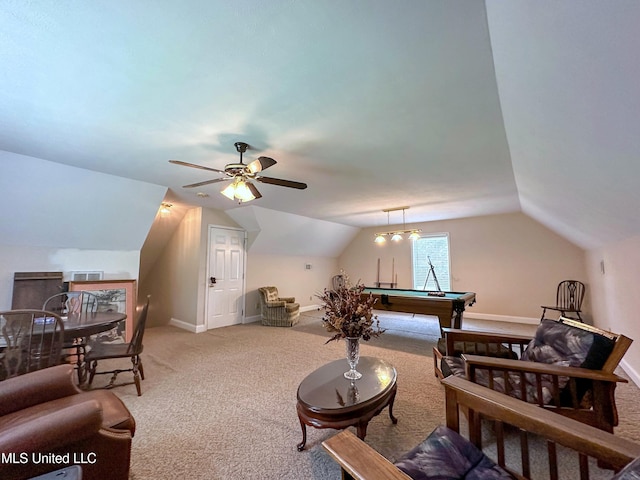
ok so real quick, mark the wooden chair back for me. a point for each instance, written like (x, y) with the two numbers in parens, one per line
(71, 302)
(569, 295)
(136, 346)
(31, 340)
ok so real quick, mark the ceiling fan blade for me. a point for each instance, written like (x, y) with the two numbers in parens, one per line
(253, 189)
(206, 182)
(193, 165)
(282, 183)
(262, 163)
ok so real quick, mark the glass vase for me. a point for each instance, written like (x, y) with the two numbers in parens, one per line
(353, 355)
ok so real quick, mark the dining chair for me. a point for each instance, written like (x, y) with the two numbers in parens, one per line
(67, 303)
(31, 340)
(71, 302)
(98, 351)
(569, 296)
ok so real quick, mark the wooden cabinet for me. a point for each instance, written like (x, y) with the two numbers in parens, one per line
(31, 289)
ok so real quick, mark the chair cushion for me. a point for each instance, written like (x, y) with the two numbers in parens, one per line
(630, 472)
(558, 342)
(272, 294)
(561, 343)
(445, 455)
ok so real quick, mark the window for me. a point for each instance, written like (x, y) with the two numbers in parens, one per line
(432, 249)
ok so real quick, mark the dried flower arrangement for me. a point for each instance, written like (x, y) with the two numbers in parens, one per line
(348, 313)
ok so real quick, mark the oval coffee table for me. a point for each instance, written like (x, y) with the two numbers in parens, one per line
(328, 400)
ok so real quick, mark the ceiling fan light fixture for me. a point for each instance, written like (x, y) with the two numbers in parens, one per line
(243, 193)
(238, 190)
(229, 191)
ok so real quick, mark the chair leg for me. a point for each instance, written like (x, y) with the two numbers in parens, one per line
(92, 370)
(136, 375)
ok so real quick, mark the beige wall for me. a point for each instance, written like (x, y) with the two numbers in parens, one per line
(510, 261)
(289, 274)
(172, 282)
(177, 280)
(615, 294)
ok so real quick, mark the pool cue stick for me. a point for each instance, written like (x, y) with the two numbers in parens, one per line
(393, 269)
(378, 277)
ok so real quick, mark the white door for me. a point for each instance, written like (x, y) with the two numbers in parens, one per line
(225, 277)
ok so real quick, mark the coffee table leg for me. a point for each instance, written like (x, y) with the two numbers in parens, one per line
(304, 435)
(362, 430)
(394, 420)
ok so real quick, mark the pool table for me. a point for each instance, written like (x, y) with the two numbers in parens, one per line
(447, 308)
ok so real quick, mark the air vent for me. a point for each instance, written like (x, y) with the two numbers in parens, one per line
(86, 276)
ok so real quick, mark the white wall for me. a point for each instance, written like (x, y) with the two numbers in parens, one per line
(46, 204)
(615, 294)
(116, 265)
(510, 261)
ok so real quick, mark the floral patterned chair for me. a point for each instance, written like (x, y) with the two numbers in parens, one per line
(278, 311)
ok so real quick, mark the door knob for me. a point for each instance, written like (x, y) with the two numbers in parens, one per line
(212, 280)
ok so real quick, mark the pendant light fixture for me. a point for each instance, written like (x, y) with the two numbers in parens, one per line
(397, 235)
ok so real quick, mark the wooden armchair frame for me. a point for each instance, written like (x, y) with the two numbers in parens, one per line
(601, 411)
(360, 461)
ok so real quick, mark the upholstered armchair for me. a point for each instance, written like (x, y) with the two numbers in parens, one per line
(43, 413)
(278, 311)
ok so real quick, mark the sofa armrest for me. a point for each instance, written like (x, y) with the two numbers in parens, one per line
(37, 387)
(275, 304)
(359, 460)
(52, 430)
(288, 299)
(478, 361)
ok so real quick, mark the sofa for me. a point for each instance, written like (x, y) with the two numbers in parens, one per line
(45, 416)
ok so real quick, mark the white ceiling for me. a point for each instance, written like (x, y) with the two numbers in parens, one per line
(374, 104)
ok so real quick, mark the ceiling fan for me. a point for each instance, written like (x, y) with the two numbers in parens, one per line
(240, 174)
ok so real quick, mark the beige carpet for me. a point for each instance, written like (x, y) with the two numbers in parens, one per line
(221, 404)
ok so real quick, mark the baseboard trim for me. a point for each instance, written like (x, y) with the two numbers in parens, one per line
(500, 318)
(187, 326)
(629, 370)
(308, 308)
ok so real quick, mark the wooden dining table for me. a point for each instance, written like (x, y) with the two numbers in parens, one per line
(78, 327)
(85, 324)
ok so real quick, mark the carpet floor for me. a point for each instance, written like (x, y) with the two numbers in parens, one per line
(222, 404)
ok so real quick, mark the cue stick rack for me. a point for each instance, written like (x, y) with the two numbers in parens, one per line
(394, 276)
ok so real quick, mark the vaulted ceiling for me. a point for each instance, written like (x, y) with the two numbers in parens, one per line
(455, 108)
